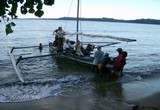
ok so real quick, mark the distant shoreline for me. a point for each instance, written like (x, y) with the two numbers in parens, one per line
(140, 21)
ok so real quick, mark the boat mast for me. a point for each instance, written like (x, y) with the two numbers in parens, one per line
(77, 20)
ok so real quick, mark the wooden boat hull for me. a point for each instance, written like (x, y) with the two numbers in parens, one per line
(82, 60)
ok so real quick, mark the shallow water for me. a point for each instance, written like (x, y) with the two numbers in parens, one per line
(50, 76)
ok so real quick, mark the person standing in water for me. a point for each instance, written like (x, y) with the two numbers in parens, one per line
(119, 63)
(102, 66)
(97, 58)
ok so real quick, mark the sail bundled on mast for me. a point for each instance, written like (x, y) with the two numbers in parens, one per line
(92, 35)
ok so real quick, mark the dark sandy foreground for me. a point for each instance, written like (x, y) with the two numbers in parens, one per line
(149, 103)
(61, 103)
(67, 103)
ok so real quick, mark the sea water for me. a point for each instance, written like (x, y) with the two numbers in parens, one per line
(50, 76)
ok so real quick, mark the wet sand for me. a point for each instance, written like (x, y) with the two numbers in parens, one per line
(151, 102)
(69, 103)
(60, 103)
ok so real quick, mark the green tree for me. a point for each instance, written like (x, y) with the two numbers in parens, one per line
(8, 9)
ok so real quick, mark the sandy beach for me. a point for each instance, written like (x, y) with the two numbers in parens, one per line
(69, 103)
(149, 103)
(61, 103)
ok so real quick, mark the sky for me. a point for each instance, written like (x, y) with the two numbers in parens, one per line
(117, 9)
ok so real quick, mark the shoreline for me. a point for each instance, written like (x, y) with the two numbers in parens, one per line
(145, 96)
(69, 103)
(136, 21)
(61, 103)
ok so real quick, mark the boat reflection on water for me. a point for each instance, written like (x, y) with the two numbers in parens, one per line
(69, 66)
(108, 91)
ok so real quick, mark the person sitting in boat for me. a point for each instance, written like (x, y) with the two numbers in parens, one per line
(88, 49)
(119, 63)
(102, 66)
(67, 46)
(97, 58)
(78, 48)
(60, 34)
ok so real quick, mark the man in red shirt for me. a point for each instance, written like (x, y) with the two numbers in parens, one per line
(119, 63)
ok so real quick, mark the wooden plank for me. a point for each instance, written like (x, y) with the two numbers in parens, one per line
(27, 47)
(40, 56)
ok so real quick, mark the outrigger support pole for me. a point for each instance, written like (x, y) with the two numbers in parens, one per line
(12, 49)
(20, 57)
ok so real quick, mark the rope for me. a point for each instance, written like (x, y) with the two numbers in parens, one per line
(68, 13)
(126, 45)
(80, 25)
(106, 36)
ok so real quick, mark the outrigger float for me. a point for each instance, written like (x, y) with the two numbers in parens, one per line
(16, 68)
(16, 61)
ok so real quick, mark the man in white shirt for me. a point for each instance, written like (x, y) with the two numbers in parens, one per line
(67, 45)
(60, 34)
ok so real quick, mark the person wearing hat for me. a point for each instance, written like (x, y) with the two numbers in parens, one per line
(97, 58)
(119, 63)
(120, 51)
(102, 66)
